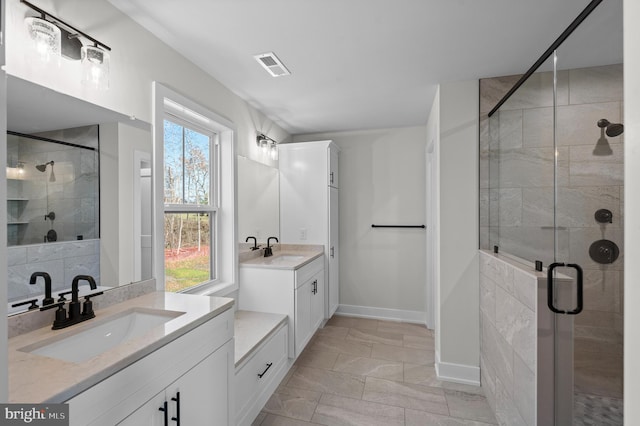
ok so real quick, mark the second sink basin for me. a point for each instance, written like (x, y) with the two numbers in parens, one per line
(103, 335)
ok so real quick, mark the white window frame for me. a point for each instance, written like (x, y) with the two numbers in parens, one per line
(214, 202)
(168, 104)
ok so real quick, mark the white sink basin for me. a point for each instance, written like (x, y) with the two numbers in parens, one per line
(103, 335)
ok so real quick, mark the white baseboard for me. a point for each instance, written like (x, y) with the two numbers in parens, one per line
(416, 317)
(457, 373)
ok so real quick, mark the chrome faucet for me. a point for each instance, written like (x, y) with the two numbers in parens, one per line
(255, 243)
(267, 250)
(48, 300)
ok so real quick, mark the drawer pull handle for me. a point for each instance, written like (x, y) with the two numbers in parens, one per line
(165, 410)
(265, 370)
(177, 401)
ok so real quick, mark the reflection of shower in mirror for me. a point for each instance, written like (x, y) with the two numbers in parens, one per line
(43, 167)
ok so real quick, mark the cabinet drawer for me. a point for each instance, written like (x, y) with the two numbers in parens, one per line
(309, 270)
(249, 385)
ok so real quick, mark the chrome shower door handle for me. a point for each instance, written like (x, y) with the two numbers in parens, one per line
(579, 287)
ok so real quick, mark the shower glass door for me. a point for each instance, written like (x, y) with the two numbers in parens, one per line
(552, 191)
(588, 211)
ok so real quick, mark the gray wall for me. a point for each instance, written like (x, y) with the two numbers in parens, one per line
(458, 289)
(382, 181)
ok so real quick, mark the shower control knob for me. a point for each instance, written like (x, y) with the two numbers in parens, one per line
(604, 216)
(604, 252)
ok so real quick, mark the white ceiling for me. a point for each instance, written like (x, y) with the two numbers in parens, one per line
(362, 64)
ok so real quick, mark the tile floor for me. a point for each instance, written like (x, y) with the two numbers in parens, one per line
(368, 372)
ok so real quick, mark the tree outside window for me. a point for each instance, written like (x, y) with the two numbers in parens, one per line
(190, 209)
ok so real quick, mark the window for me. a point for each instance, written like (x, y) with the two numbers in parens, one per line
(190, 205)
(195, 231)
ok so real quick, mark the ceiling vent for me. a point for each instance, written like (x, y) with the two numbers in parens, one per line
(272, 64)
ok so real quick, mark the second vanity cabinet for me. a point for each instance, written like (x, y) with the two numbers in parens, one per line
(191, 378)
(297, 293)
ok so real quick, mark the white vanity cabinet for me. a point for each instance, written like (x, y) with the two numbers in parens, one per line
(258, 376)
(297, 293)
(193, 373)
(309, 193)
(197, 395)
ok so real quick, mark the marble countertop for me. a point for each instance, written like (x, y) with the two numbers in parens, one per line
(285, 256)
(251, 329)
(37, 379)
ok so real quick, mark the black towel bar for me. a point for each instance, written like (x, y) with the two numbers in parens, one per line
(398, 226)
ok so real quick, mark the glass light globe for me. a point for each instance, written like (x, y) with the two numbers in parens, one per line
(95, 67)
(46, 36)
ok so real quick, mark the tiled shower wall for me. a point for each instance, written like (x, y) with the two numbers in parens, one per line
(517, 197)
(72, 194)
(509, 340)
(61, 260)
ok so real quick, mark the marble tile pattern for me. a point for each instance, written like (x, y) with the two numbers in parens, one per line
(360, 371)
(517, 193)
(73, 195)
(509, 338)
(62, 260)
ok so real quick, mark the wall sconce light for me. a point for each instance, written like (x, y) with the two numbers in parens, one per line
(268, 146)
(54, 38)
(95, 67)
(46, 36)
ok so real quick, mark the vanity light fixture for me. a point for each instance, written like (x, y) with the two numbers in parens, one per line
(268, 146)
(53, 37)
(95, 67)
(46, 37)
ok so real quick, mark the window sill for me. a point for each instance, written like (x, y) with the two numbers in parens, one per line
(219, 289)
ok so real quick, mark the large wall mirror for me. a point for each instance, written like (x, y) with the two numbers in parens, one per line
(258, 200)
(79, 193)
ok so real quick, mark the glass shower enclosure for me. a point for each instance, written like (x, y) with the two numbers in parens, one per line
(552, 191)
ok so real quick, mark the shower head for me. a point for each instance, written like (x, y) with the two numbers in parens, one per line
(43, 167)
(611, 129)
(614, 129)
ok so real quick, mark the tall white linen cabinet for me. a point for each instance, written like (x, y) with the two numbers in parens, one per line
(309, 185)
